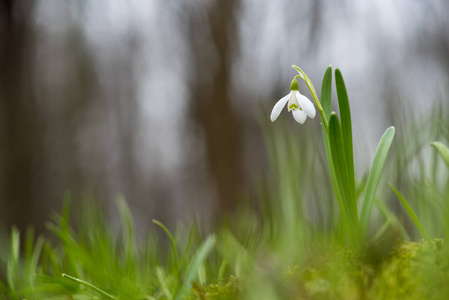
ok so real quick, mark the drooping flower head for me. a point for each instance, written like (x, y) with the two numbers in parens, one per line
(300, 106)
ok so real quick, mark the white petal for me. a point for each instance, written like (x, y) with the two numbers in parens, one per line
(292, 101)
(306, 105)
(278, 107)
(300, 116)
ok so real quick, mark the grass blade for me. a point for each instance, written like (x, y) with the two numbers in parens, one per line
(128, 225)
(222, 269)
(389, 215)
(326, 92)
(383, 229)
(173, 245)
(410, 212)
(374, 176)
(442, 150)
(346, 129)
(163, 281)
(89, 285)
(195, 264)
(13, 262)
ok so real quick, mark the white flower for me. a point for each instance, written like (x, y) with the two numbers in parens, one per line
(300, 105)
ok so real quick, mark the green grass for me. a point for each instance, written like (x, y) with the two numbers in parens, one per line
(292, 243)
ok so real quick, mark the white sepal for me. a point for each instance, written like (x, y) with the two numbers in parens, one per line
(277, 109)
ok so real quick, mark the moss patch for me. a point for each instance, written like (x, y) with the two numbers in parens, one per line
(410, 271)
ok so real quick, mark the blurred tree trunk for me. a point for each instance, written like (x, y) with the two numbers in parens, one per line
(20, 120)
(213, 38)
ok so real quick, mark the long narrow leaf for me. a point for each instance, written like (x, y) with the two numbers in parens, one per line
(347, 206)
(442, 150)
(90, 286)
(128, 224)
(346, 128)
(326, 100)
(326, 92)
(374, 176)
(173, 245)
(195, 264)
(12, 267)
(163, 281)
(410, 212)
(383, 229)
(389, 215)
(333, 176)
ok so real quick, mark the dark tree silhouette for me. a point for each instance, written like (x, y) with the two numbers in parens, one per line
(213, 38)
(21, 124)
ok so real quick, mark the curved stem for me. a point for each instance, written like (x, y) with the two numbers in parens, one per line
(307, 80)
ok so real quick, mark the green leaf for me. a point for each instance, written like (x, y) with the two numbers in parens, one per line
(389, 215)
(326, 92)
(442, 150)
(222, 269)
(90, 286)
(128, 224)
(348, 208)
(374, 176)
(13, 262)
(383, 229)
(195, 264)
(326, 101)
(346, 129)
(163, 281)
(410, 212)
(330, 166)
(173, 245)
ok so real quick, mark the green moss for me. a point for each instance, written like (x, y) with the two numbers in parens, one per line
(398, 278)
(411, 270)
(232, 289)
(334, 274)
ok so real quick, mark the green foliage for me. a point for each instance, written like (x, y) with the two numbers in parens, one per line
(90, 286)
(326, 92)
(443, 151)
(374, 176)
(410, 211)
(348, 207)
(195, 264)
(173, 245)
(346, 133)
(338, 147)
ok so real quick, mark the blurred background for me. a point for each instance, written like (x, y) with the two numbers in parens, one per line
(164, 102)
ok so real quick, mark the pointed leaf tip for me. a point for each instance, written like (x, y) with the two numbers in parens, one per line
(443, 150)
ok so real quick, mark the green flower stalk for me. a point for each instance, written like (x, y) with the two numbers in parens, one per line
(312, 90)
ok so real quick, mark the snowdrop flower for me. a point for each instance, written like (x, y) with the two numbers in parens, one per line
(300, 105)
